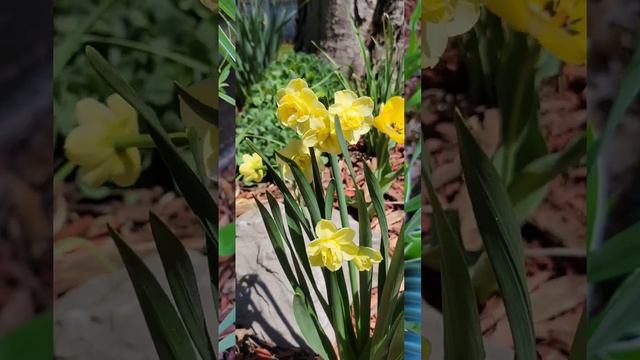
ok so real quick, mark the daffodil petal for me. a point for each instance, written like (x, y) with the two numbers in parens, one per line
(89, 111)
(325, 229)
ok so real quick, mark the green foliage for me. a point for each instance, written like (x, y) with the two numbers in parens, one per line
(258, 120)
(143, 38)
(31, 341)
(259, 32)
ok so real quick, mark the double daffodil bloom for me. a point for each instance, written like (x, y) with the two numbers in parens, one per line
(559, 25)
(320, 133)
(92, 145)
(297, 104)
(332, 247)
(252, 168)
(390, 121)
(442, 19)
(300, 154)
(355, 114)
(366, 257)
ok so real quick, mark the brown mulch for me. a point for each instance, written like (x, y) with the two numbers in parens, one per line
(557, 283)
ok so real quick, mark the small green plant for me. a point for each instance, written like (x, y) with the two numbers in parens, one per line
(258, 120)
(259, 31)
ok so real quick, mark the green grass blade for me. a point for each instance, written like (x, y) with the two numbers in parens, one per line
(616, 256)
(182, 282)
(167, 331)
(500, 232)
(462, 334)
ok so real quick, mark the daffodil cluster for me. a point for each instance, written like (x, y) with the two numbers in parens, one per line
(333, 246)
(300, 110)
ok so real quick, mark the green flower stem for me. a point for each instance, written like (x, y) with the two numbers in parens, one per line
(64, 171)
(144, 141)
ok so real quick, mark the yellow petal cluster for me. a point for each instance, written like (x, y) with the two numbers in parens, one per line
(298, 104)
(300, 154)
(91, 144)
(559, 25)
(300, 109)
(333, 246)
(390, 121)
(252, 168)
(442, 19)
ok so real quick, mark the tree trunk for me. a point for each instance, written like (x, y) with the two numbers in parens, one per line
(328, 23)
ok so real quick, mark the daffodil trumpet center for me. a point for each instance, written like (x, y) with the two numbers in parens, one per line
(144, 141)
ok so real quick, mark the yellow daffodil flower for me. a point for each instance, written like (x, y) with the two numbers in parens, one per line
(366, 257)
(442, 19)
(91, 144)
(355, 114)
(320, 133)
(332, 247)
(297, 104)
(252, 168)
(300, 154)
(559, 25)
(390, 121)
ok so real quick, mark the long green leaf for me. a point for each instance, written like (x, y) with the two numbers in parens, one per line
(188, 182)
(204, 111)
(500, 232)
(544, 169)
(364, 318)
(311, 330)
(167, 331)
(629, 90)
(619, 316)
(182, 282)
(305, 189)
(616, 256)
(462, 334)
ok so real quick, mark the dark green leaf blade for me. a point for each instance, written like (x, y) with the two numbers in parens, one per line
(311, 331)
(182, 282)
(500, 232)
(33, 340)
(204, 111)
(616, 256)
(187, 180)
(462, 334)
(167, 331)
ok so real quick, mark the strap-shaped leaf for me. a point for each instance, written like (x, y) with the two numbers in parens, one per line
(305, 189)
(389, 299)
(616, 257)
(167, 331)
(500, 232)
(462, 334)
(618, 318)
(277, 242)
(328, 201)
(365, 280)
(377, 200)
(204, 111)
(542, 170)
(187, 181)
(317, 178)
(182, 282)
(311, 330)
(288, 197)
